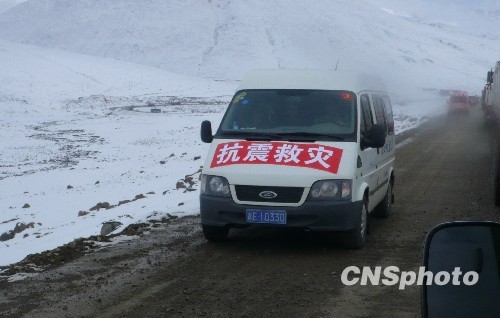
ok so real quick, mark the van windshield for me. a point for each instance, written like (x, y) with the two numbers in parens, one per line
(291, 114)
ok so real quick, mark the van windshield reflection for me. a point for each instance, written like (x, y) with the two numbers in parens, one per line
(291, 114)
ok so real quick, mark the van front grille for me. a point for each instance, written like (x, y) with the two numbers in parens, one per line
(283, 194)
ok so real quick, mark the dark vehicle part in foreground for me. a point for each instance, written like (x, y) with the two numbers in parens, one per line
(465, 247)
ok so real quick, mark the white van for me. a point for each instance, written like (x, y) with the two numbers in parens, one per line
(300, 148)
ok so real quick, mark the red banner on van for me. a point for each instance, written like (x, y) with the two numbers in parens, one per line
(313, 156)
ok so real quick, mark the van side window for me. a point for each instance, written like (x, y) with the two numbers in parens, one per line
(366, 115)
(378, 106)
(388, 114)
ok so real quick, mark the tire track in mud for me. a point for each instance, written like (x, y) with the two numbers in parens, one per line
(445, 178)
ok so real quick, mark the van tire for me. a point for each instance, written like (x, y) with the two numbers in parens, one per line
(384, 208)
(215, 233)
(356, 238)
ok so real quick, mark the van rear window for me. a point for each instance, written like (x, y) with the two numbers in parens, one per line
(320, 112)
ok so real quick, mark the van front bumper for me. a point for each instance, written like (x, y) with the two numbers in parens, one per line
(312, 215)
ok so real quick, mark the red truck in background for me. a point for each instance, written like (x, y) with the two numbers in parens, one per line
(458, 102)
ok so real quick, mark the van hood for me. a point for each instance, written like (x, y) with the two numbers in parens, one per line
(280, 163)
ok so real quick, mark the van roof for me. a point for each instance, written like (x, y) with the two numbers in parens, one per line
(311, 79)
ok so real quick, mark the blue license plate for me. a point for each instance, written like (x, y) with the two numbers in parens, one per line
(266, 216)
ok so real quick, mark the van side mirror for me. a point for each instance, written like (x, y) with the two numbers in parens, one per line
(464, 259)
(376, 137)
(206, 131)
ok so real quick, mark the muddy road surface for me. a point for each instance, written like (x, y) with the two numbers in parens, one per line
(443, 174)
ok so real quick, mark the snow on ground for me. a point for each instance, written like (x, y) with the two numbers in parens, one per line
(63, 166)
(410, 112)
(52, 139)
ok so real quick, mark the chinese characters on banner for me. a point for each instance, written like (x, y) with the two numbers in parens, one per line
(278, 153)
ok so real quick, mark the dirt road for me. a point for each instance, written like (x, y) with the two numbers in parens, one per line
(443, 173)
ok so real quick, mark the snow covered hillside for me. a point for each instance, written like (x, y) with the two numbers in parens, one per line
(79, 144)
(427, 45)
(43, 76)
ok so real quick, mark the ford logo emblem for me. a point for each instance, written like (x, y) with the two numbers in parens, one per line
(268, 195)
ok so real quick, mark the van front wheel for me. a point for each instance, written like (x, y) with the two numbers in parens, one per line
(215, 233)
(356, 238)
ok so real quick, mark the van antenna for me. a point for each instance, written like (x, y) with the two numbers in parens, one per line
(336, 65)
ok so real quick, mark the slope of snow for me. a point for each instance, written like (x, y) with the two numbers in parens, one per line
(224, 39)
(473, 17)
(61, 124)
(44, 75)
(7, 4)
(105, 156)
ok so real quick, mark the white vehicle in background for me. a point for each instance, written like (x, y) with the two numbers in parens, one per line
(311, 149)
(487, 100)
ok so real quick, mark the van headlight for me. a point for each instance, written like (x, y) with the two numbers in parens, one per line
(215, 185)
(331, 190)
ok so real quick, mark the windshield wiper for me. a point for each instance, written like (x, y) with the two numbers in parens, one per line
(291, 136)
(309, 135)
(247, 135)
(263, 137)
